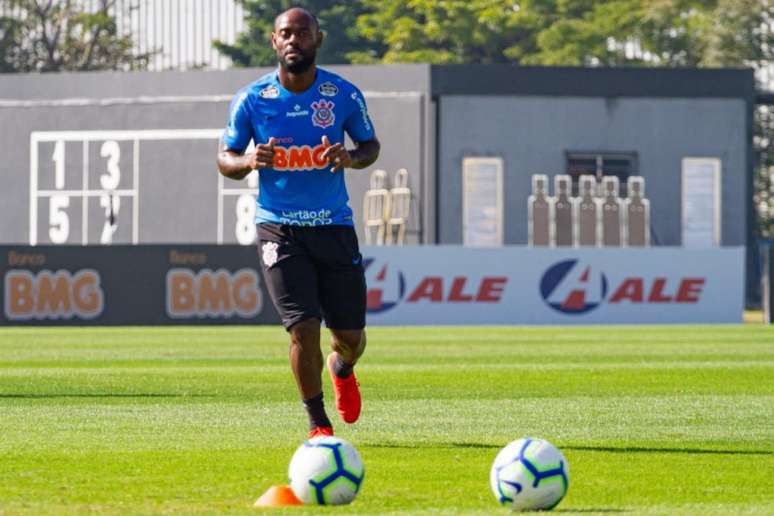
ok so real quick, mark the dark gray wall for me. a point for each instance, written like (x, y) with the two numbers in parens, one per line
(532, 133)
(530, 116)
(178, 181)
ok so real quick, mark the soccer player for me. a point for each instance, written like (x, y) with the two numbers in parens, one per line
(297, 116)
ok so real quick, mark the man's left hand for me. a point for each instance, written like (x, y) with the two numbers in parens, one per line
(336, 155)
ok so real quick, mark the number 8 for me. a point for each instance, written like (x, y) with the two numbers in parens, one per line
(245, 224)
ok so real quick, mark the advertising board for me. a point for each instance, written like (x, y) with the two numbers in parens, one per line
(411, 285)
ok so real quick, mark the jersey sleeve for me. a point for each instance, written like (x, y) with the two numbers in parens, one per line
(358, 125)
(239, 130)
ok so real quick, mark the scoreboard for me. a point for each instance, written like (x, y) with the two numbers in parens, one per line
(85, 187)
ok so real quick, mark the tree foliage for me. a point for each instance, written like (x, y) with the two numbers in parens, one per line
(441, 31)
(660, 33)
(337, 20)
(539, 32)
(569, 32)
(49, 36)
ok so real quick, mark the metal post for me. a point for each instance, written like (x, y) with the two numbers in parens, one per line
(767, 281)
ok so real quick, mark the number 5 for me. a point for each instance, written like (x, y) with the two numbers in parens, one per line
(58, 219)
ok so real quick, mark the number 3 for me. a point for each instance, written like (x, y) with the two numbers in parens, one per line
(112, 151)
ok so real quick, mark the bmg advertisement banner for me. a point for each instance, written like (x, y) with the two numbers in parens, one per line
(151, 285)
(426, 285)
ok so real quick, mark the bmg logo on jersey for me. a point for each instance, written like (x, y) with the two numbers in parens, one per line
(575, 288)
(300, 157)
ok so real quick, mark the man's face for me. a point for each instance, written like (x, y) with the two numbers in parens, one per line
(296, 39)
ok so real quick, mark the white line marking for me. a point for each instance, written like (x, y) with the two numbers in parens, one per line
(238, 191)
(170, 99)
(112, 101)
(84, 189)
(136, 200)
(87, 193)
(33, 190)
(220, 209)
(144, 134)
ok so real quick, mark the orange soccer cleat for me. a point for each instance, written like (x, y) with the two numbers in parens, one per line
(320, 431)
(347, 391)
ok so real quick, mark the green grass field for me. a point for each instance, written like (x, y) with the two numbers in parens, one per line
(655, 420)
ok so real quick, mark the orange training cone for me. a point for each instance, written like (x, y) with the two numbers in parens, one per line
(278, 496)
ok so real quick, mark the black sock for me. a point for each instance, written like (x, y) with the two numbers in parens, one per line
(315, 408)
(341, 368)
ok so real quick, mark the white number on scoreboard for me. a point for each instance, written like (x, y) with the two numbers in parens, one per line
(59, 222)
(111, 204)
(112, 151)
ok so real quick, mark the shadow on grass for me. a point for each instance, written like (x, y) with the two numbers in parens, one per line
(592, 510)
(101, 395)
(432, 445)
(689, 451)
(609, 449)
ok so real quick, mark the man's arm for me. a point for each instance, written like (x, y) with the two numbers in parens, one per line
(236, 165)
(364, 154)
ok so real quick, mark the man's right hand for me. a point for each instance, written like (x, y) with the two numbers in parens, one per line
(263, 157)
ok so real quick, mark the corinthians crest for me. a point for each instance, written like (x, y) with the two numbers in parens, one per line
(269, 253)
(323, 113)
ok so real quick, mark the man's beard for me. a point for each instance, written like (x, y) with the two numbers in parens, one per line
(300, 66)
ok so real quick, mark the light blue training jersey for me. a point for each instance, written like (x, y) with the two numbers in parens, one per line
(299, 189)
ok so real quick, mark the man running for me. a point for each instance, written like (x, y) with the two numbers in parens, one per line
(297, 116)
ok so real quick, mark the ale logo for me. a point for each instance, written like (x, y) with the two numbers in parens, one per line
(212, 294)
(386, 286)
(572, 289)
(48, 295)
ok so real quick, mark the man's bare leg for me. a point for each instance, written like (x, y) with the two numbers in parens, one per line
(349, 344)
(306, 361)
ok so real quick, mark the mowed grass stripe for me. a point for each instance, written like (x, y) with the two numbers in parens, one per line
(131, 367)
(447, 383)
(230, 339)
(654, 420)
(721, 421)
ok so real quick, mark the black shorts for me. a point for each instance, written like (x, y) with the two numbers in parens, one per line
(314, 272)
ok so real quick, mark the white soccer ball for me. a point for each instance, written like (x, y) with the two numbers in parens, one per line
(529, 475)
(326, 471)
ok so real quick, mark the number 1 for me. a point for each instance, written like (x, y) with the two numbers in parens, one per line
(58, 157)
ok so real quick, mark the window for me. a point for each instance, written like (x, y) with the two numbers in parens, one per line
(600, 164)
